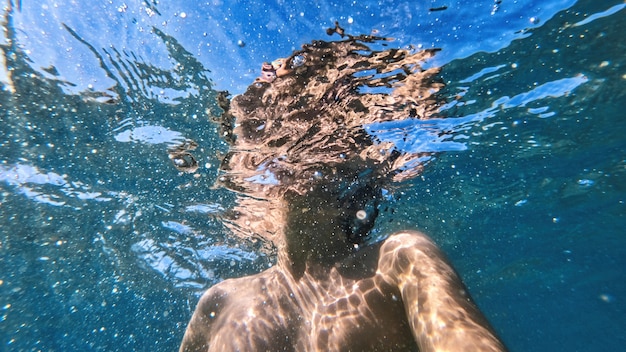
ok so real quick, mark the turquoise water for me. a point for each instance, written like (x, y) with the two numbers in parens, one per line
(106, 246)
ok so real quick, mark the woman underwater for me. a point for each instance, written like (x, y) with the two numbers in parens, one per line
(309, 173)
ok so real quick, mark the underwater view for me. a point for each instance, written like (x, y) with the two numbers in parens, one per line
(126, 191)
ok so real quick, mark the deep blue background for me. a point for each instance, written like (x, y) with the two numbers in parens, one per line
(102, 243)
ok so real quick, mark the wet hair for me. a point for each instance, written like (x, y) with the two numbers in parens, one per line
(302, 126)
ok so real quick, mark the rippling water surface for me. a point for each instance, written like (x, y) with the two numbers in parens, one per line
(106, 245)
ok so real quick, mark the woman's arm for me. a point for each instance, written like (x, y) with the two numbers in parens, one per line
(441, 313)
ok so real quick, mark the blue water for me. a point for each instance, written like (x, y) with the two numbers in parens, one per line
(106, 246)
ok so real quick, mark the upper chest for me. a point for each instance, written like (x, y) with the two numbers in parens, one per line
(334, 314)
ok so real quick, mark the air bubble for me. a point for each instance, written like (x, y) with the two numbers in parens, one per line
(297, 61)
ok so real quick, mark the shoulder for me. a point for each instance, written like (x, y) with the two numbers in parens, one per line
(215, 307)
(198, 332)
(407, 242)
(222, 294)
(403, 251)
(406, 239)
(214, 298)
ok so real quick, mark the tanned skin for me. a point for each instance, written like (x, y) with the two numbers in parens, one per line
(399, 295)
(312, 148)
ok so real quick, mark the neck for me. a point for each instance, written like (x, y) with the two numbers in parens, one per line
(314, 236)
(311, 232)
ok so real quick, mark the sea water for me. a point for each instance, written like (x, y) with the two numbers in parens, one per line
(105, 245)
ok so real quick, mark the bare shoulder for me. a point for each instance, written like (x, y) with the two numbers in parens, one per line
(407, 239)
(403, 250)
(198, 332)
(440, 311)
(226, 310)
(215, 298)
(215, 305)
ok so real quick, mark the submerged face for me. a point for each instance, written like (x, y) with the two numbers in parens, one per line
(305, 126)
